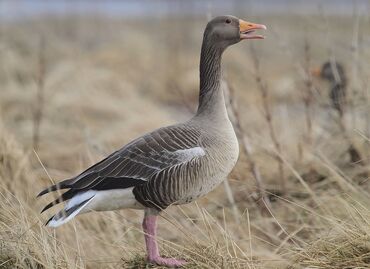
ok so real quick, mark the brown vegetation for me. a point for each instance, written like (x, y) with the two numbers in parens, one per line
(107, 81)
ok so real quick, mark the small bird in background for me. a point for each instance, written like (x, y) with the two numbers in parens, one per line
(172, 165)
(333, 72)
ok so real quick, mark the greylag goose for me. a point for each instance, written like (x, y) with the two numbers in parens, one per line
(334, 73)
(172, 165)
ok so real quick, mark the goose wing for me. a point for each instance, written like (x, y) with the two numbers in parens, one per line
(137, 162)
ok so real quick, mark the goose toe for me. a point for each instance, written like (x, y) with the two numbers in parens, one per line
(169, 262)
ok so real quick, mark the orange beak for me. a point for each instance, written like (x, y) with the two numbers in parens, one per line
(247, 30)
(316, 72)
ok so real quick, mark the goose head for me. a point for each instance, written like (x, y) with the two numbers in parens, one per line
(330, 71)
(224, 31)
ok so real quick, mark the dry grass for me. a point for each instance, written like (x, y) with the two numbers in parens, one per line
(345, 245)
(107, 81)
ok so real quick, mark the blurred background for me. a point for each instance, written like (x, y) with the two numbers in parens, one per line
(79, 79)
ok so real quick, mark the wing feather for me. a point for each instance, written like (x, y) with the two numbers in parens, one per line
(139, 161)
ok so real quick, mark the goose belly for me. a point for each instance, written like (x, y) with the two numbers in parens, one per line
(208, 185)
(186, 182)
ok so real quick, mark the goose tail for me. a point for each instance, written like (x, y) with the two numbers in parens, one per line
(65, 184)
(77, 205)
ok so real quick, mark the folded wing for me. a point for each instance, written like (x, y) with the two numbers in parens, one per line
(136, 163)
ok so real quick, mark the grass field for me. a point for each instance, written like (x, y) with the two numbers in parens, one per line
(75, 88)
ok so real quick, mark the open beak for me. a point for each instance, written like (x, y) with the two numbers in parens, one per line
(316, 72)
(247, 30)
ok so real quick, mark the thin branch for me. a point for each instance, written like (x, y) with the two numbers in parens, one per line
(40, 100)
(234, 111)
(308, 94)
(268, 116)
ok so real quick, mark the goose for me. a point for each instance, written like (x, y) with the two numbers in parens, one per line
(333, 72)
(172, 165)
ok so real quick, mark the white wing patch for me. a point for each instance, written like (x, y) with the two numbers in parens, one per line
(187, 154)
(55, 222)
(79, 198)
(59, 220)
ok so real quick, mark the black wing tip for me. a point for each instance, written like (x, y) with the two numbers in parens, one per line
(65, 184)
(64, 197)
(48, 189)
(46, 224)
(42, 193)
(47, 207)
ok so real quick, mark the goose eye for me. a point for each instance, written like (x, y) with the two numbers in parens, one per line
(228, 21)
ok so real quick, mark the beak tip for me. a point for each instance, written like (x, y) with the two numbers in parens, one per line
(316, 72)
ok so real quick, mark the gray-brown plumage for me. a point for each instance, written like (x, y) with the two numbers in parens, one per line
(334, 73)
(171, 165)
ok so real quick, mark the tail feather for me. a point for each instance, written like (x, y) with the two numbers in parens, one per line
(71, 210)
(46, 224)
(64, 197)
(65, 184)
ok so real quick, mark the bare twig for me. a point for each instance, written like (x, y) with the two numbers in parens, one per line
(308, 94)
(355, 62)
(234, 111)
(355, 155)
(268, 116)
(39, 106)
(230, 197)
(308, 99)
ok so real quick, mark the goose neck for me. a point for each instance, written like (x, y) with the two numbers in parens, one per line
(210, 95)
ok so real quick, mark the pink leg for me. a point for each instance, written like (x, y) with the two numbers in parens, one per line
(150, 230)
